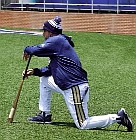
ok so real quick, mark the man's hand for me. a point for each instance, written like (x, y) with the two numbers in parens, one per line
(26, 56)
(28, 73)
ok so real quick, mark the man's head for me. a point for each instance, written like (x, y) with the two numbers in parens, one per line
(53, 26)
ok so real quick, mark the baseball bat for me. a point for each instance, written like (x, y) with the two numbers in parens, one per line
(13, 109)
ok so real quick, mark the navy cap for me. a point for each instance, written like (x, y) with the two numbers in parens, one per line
(53, 25)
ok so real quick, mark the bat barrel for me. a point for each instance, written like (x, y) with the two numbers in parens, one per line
(10, 120)
(11, 115)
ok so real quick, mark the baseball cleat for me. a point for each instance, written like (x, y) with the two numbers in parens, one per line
(40, 118)
(125, 120)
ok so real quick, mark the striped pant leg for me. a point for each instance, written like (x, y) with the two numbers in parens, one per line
(76, 99)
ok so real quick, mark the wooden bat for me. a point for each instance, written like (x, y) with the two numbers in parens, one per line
(13, 109)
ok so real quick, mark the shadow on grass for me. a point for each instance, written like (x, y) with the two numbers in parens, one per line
(115, 130)
(64, 124)
(74, 126)
(53, 123)
(68, 124)
(97, 129)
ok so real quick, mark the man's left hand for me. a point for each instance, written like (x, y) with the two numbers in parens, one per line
(26, 56)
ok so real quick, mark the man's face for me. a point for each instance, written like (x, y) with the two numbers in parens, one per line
(46, 34)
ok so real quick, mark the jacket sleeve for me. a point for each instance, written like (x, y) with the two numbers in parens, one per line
(46, 49)
(45, 71)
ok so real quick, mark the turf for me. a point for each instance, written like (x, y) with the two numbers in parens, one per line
(110, 61)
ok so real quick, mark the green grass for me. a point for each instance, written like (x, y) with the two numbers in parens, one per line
(110, 61)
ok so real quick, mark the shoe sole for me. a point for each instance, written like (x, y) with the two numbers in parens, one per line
(39, 122)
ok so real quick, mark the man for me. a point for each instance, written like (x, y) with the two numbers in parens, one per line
(65, 75)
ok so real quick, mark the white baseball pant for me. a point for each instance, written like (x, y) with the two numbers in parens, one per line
(76, 99)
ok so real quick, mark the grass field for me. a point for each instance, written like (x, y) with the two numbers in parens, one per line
(110, 61)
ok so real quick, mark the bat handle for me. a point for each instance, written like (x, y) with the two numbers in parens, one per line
(27, 67)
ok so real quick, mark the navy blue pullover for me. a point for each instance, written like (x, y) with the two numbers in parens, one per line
(64, 66)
